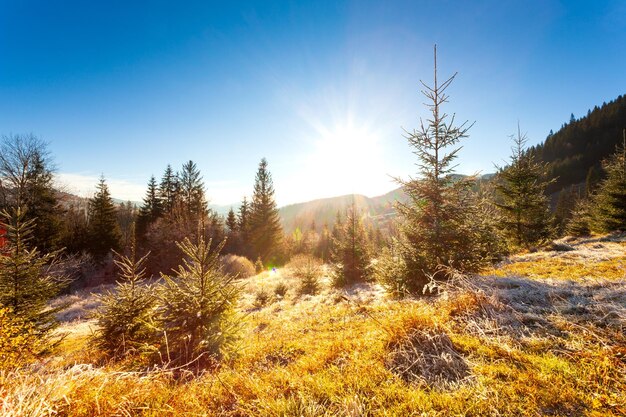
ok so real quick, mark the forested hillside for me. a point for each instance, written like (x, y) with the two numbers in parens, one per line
(324, 211)
(580, 145)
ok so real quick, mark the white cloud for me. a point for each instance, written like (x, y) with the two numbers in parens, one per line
(84, 185)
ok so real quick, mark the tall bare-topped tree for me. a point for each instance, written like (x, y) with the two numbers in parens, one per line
(438, 230)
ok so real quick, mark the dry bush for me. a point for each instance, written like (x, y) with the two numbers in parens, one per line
(308, 270)
(237, 266)
(427, 356)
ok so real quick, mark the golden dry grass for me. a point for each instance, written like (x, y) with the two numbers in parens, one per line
(487, 346)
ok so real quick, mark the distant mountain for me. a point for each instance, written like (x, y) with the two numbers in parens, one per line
(324, 211)
(379, 210)
(582, 144)
(223, 209)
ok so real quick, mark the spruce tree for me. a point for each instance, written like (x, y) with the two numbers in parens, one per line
(104, 232)
(565, 204)
(580, 220)
(265, 228)
(322, 249)
(125, 316)
(350, 256)
(191, 189)
(126, 218)
(521, 198)
(151, 209)
(243, 225)
(609, 202)
(169, 190)
(232, 241)
(592, 180)
(437, 231)
(26, 283)
(196, 306)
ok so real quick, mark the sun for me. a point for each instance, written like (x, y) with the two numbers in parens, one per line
(347, 158)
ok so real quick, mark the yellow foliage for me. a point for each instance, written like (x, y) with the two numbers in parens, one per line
(19, 341)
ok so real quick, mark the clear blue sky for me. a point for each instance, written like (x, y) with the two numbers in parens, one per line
(124, 88)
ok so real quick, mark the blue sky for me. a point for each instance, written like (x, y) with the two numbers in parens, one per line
(321, 89)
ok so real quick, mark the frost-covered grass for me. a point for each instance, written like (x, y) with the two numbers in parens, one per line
(588, 258)
(489, 345)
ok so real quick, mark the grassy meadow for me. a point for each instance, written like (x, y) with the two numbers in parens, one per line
(542, 334)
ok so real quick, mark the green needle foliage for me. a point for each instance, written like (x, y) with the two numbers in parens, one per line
(439, 228)
(104, 232)
(609, 208)
(26, 283)
(125, 318)
(265, 229)
(522, 202)
(350, 254)
(196, 307)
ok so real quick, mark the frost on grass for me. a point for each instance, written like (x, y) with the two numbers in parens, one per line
(428, 356)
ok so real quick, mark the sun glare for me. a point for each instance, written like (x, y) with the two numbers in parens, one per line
(348, 158)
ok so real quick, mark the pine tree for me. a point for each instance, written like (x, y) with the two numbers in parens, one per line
(151, 209)
(232, 240)
(104, 232)
(265, 228)
(565, 205)
(592, 180)
(437, 230)
(322, 249)
(609, 208)
(42, 205)
(192, 191)
(522, 201)
(350, 256)
(125, 316)
(243, 225)
(579, 222)
(196, 306)
(26, 284)
(126, 218)
(169, 190)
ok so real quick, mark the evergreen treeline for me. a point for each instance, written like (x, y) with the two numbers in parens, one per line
(576, 150)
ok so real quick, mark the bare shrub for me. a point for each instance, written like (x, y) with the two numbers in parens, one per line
(237, 266)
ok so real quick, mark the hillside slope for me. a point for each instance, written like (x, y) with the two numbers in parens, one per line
(510, 342)
(582, 144)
